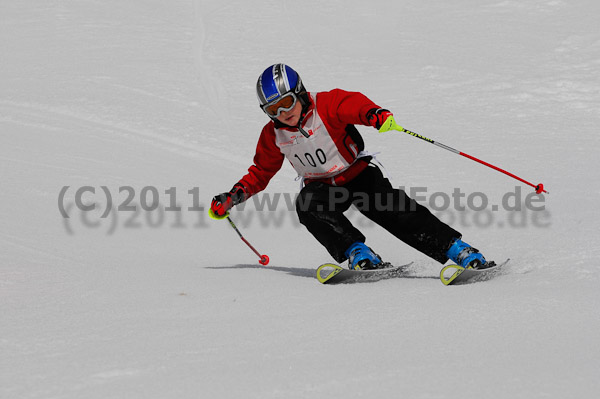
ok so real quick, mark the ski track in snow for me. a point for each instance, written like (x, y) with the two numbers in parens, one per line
(112, 132)
(145, 305)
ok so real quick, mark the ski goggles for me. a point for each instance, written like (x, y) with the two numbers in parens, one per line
(282, 104)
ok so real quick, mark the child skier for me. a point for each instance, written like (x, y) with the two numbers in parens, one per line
(316, 133)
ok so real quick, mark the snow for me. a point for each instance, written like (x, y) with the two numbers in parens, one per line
(172, 304)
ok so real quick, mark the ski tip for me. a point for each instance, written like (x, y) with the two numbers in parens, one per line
(448, 279)
(327, 271)
(457, 270)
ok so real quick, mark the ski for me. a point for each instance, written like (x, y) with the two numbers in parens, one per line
(330, 273)
(462, 275)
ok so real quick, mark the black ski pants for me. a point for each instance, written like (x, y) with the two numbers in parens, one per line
(321, 208)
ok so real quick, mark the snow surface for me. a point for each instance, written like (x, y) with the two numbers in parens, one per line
(173, 305)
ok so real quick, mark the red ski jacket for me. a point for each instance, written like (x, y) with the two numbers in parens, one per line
(330, 151)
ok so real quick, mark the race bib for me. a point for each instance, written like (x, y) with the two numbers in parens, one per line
(315, 156)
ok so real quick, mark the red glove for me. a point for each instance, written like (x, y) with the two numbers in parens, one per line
(377, 116)
(222, 203)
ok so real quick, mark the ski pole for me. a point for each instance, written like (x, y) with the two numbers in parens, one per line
(390, 124)
(264, 259)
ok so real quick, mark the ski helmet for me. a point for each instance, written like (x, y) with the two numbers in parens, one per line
(276, 82)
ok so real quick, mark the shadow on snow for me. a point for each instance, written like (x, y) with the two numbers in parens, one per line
(294, 271)
(303, 272)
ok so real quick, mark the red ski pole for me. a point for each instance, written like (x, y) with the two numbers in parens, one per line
(390, 124)
(264, 259)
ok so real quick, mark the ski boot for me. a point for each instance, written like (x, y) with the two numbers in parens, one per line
(466, 256)
(361, 257)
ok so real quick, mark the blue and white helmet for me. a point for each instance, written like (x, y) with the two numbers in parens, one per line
(277, 81)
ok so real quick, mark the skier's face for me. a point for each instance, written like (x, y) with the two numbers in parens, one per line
(292, 116)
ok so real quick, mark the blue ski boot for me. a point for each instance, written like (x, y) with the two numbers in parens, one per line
(466, 256)
(361, 257)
